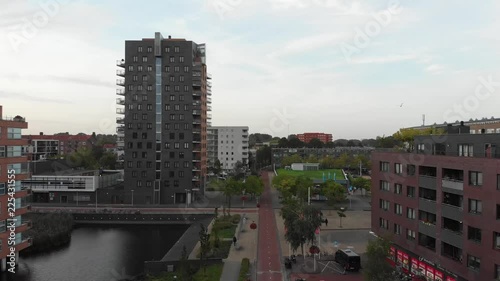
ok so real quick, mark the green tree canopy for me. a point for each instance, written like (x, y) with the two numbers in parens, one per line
(377, 268)
(361, 183)
(334, 192)
(289, 160)
(254, 185)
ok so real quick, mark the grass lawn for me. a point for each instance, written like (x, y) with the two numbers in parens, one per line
(313, 174)
(213, 272)
(227, 232)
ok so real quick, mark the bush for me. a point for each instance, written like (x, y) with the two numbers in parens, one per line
(235, 218)
(221, 225)
(210, 189)
(49, 231)
(244, 270)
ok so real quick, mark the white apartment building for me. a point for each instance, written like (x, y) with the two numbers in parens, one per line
(228, 144)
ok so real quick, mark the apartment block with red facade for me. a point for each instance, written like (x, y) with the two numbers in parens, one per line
(13, 169)
(46, 146)
(307, 137)
(440, 204)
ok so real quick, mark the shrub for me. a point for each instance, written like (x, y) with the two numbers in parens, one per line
(235, 218)
(210, 189)
(244, 270)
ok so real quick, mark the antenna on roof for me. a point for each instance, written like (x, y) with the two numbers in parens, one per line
(423, 119)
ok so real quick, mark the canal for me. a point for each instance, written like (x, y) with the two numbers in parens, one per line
(101, 253)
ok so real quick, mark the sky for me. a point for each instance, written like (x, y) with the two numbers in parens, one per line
(355, 69)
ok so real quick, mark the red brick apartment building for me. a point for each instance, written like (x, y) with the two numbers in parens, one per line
(12, 159)
(307, 137)
(441, 206)
(46, 146)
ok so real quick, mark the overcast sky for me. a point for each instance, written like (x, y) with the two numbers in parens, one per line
(356, 69)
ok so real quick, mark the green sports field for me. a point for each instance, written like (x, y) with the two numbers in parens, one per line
(313, 174)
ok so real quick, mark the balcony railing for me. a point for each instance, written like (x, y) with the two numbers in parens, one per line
(120, 101)
(120, 92)
(197, 122)
(15, 119)
(209, 116)
(196, 131)
(457, 185)
(196, 112)
(120, 82)
(196, 84)
(196, 169)
(209, 100)
(209, 108)
(197, 93)
(120, 63)
(120, 72)
(196, 179)
(120, 129)
(120, 120)
(209, 76)
(120, 111)
(196, 140)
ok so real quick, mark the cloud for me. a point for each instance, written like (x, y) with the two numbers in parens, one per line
(32, 98)
(384, 59)
(435, 68)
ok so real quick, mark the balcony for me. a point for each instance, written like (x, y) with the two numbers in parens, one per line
(427, 228)
(120, 63)
(452, 184)
(120, 82)
(209, 116)
(195, 178)
(197, 94)
(120, 101)
(196, 112)
(427, 182)
(427, 205)
(120, 134)
(197, 121)
(23, 209)
(120, 92)
(209, 100)
(196, 169)
(451, 237)
(120, 111)
(196, 140)
(196, 160)
(196, 84)
(452, 212)
(209, 83)
(209, 108)
(209, 76)
(25, 243)
(120, 72)
(27, 224)
(120, 129)
(120, 144)
(120, 120)
(196, 131)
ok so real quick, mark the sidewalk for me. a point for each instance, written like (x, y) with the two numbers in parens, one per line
(246, 247)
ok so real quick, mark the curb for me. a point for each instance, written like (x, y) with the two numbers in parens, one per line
(333, 229)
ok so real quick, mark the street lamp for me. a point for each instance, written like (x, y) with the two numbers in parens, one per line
(96, 200)
(132, 197)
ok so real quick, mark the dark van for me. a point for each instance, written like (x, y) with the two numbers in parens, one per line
(348, 260)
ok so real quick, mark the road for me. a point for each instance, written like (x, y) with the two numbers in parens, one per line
(142, 210)
(268, 253)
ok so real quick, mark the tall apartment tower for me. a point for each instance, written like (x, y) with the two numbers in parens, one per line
(165, 93)
(14, 169)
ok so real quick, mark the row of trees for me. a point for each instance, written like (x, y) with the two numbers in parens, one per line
(231, 187)
(92, 159)
(329, 162)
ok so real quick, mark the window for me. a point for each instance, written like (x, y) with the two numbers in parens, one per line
(410, 170)
(384, 204)
(129, 164)
(144, 174)
(144, 78)
(186, 88)
(181, 59)
(498, 212)
(410, 234)
(496, 240)
(134, 174)
(172, 97)
(475, 178)
(2, 151)
(130, 68)
(186, 145)
(181, 116)
(186, 164)
(139, 68)
(150, 49)
(466, 150)
(176, 164)
(384, 166)
(186, 68)
(475, 206)
(14, 133)
(139, 88)
(176, 49)
(498, 181)
(144, 116)
(167, 49)
(176, 145)
(149, 126)
(172, 59)
(144, 59)
(176, 107)
(176, 183)
(384, 223)
(181, 98)
(398, 168)
(149, 107)
(139, 49)
(145, 98)
(135, 59)
(150, 88)
(172, 78)
(398, 188)
(497, 270)
(181, 174)
(473, 262)
(181, 78)
(410, 191)
(139, 183)
(397, 229)
(384, 185)
(474, 234)
(181, 154)
(398, 209)
(176, 69)
(410, 213)
(172, 116)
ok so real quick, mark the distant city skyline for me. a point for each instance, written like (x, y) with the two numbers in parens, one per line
(350, 68)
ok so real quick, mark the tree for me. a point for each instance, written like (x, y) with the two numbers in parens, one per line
(231, 188)
(377, 268)
(312, 159)
(83, 157)
(340, 142)
(361, 183)
(284, 184)
(341, 215)
(254, 185)
(283, 142)
(239, 170)
(204, 244)
(315, 143)
(290, 159)
(327, 162)
(301, 186)
(264, 156)
(334, 192)
(295, 143)
(301, 222)
(407, 136)
(108, 160)
(184, 265)
(342, 161)
(217, 166)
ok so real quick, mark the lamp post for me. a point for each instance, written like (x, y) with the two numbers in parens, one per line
(96, 200)
(132, 197)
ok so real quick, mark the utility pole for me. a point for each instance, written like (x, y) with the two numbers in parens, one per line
(309, 196)
(360, 168)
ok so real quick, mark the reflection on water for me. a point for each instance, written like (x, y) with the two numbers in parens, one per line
(101, 253)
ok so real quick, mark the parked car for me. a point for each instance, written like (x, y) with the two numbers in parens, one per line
(348, 260)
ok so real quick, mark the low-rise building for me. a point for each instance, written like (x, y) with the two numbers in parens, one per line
(228, 144)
